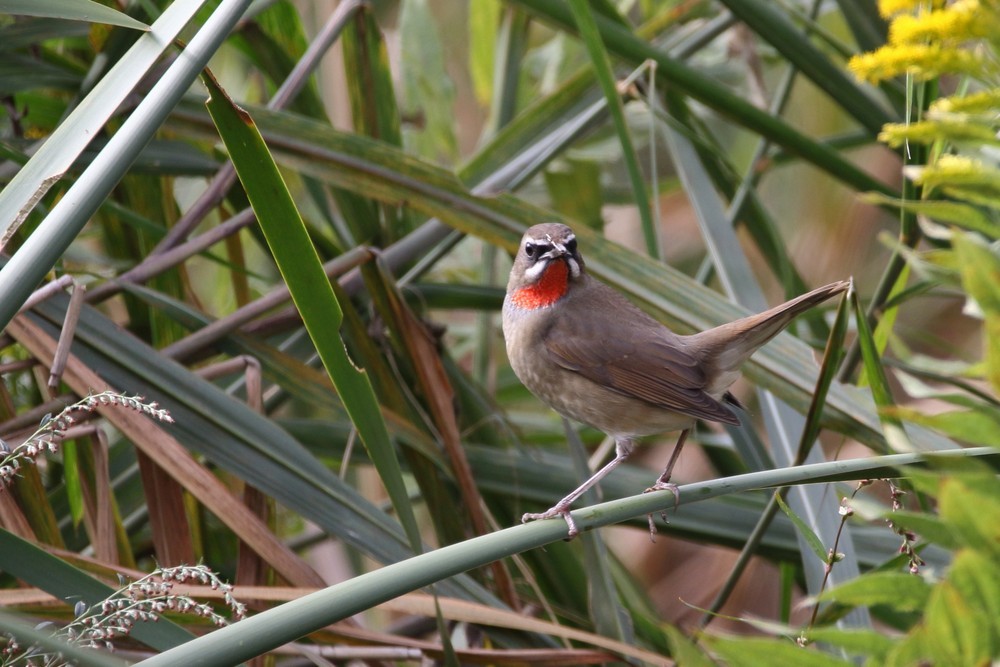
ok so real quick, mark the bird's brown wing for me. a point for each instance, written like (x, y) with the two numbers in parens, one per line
(639, 359)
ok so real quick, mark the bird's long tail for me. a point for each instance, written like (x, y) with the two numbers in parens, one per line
(726, 347)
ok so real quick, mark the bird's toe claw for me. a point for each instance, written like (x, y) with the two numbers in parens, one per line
(552, 513)
(660, 485)
(666, 486)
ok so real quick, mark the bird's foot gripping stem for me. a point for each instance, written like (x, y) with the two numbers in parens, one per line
(660, 485)
(623, 447)
(560, 509)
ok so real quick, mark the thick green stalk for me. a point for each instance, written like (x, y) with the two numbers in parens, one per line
(280, 625)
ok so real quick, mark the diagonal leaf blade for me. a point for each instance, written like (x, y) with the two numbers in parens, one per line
(310, 289)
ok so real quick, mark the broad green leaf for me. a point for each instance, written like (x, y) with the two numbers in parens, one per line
(954, 631)
(979, 426)
(757, 651)
(928, 528)
(980, 267)
(684, 651)
(905, 592)
(976, 576)
(866, 643)
(951, 212)
(970, 505)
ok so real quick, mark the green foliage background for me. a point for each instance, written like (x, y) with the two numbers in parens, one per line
(367, 432)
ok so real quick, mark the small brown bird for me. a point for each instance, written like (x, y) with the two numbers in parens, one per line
(594, 357)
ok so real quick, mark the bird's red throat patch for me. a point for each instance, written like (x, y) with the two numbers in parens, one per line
(550, 288)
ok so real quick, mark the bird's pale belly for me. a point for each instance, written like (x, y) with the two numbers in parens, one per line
(576, 397)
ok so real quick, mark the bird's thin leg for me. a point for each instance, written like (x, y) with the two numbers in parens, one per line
(623, 447)
(662, 482)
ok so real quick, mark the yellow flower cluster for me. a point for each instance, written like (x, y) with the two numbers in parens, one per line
(982, 102)
(921, 61)
(925, 45)
(957, 170)
(959, 22)
(927, 132)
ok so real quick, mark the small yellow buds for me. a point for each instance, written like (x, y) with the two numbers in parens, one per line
(922, 61)
(954, 129)
(956, 170)
(959, 22)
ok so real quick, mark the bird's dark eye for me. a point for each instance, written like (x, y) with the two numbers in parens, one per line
(530, 249)
(571, 246)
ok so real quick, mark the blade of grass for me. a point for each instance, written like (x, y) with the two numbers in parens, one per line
(810, 538)
(892, 426)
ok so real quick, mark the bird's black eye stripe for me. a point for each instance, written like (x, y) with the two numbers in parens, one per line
(571, 246)
(535, 250)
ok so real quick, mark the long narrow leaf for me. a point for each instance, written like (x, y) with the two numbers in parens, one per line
(602, 68)
(75, 10)
(310, 289)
